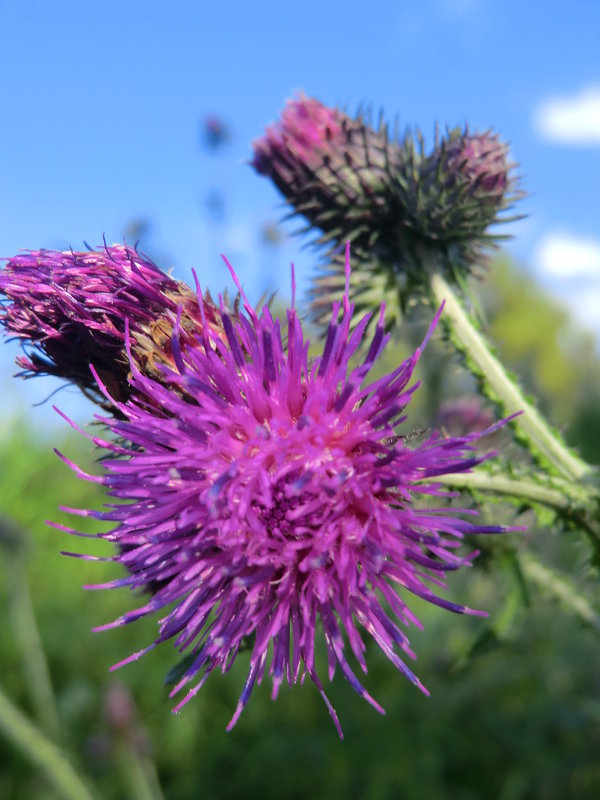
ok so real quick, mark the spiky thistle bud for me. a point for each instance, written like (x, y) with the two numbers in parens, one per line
(401, 208)
(464, 183)
(73, 308)
(334, 170)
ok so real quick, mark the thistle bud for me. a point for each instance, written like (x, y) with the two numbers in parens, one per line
(334, 170)
(466, 181)
(482, 159)
(405, 212)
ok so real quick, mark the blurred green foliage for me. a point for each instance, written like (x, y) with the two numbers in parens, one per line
(556, 361)
(514, 711)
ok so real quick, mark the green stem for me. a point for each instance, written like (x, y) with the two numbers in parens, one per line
(35, 665)
(554, 584)
(571, 500)
(531, 426)
(137, 774)
(553, 496)
(568, 499)
(39, 750)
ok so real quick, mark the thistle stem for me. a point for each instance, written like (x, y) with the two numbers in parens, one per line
(551, 496)
(571, 500)
(530, 426)
(39, 750)
(552, 583)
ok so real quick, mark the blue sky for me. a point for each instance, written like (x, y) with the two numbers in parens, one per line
(103, 102)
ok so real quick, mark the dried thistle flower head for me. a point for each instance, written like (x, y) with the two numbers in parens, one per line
(282, 507)
(72, 309)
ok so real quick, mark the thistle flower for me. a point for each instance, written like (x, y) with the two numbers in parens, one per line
(283, 501)
(405, 212)
(464, 415)
(71, 307)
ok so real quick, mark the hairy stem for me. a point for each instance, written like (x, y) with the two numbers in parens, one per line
(553, 496)
(570, 500)
(555, 585)
(532, 430)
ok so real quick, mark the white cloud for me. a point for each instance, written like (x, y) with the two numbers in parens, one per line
(573, 120)
(585, 305)
(563, 256)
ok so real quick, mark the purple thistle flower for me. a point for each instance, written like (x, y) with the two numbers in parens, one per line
(464, 415)
(71, 308)
(283, 501)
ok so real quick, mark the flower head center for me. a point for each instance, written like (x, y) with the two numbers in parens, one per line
(276, 516)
